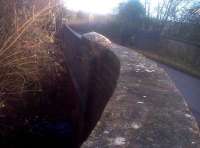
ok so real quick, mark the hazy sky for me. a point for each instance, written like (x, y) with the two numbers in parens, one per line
(98, 6)
(93, 6)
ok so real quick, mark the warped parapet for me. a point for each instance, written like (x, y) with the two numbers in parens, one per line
(94, 70)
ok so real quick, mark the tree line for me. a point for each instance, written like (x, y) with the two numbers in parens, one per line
(179, 19)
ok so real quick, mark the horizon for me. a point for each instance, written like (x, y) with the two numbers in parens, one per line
(93, 6)
(98, 7)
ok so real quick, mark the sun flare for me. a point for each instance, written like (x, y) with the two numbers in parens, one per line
(92, 6)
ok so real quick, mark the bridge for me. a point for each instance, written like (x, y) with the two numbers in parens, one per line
(146, 110)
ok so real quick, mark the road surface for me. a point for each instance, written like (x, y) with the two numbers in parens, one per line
(189, 86)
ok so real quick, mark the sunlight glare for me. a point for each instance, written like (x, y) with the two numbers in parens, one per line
(92, 6)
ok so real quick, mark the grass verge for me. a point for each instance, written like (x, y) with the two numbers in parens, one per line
(186, 68)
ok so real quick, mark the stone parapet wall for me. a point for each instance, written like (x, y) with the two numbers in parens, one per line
(146, 110)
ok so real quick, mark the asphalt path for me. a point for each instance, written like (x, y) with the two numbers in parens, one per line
(189, 86)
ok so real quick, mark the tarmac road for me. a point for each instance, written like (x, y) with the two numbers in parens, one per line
(189, 86)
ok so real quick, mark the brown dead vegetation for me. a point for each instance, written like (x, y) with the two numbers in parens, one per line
(27, 52)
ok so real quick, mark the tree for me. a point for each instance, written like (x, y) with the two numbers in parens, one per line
(131, 17)
(192, 15)
(191, 21)
(131, 11)
(168, 11)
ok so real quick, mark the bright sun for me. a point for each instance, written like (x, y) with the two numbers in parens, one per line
(92, 6)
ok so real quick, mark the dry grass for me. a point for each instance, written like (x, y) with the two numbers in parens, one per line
(27, 57)
(177, 64)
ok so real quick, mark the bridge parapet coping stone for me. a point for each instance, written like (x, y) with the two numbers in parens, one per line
(146, 110)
